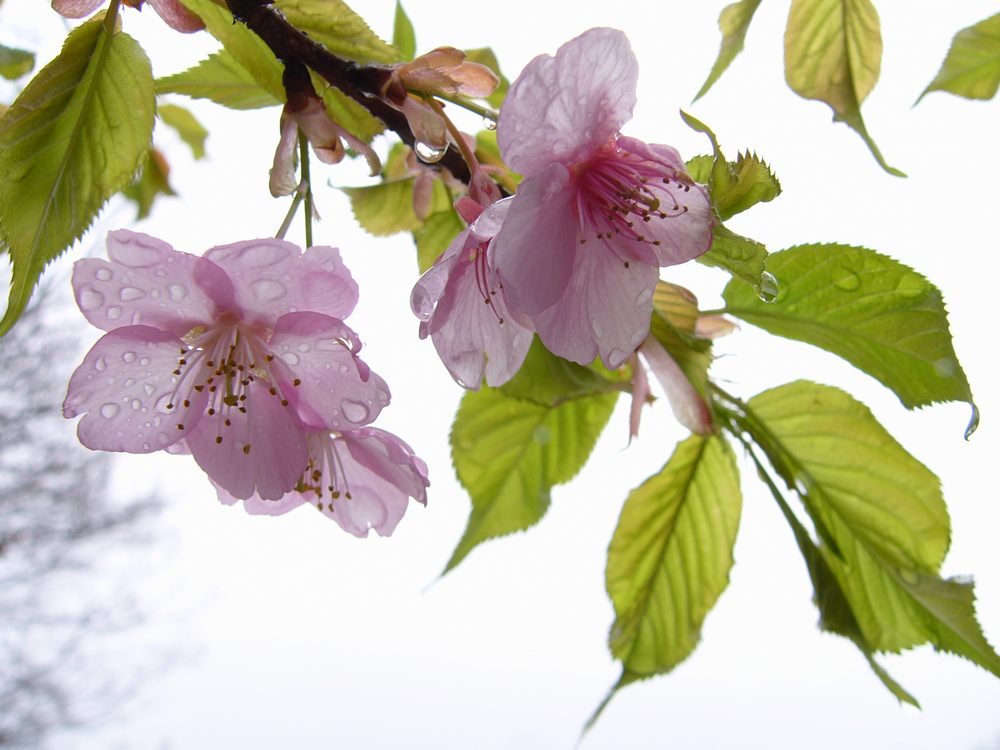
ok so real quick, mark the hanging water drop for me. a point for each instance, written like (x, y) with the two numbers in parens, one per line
(489, 123)
(767, 290)
(429, 154)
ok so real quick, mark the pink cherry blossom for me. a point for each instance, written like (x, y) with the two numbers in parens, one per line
(463, 308)
(238, 352)
(172, 12)
(360, 478)
(687, 404)
(598, 213)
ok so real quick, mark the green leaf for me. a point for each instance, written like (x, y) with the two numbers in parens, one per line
(403, 38)
(509, 453)
(14, 63)
(548, 380)
(670, 556)
(220, 79)
(733, 22)
(434, 235)
(385, 208)
(972, 66)
(878, 314)
(243, 46)
(152, 182)
(342, 31)
(884, 511)
(191, 131)
(833, 53)
(75, 136)
(486, 56)
(346, 112)
(743, 257)
(675, 313)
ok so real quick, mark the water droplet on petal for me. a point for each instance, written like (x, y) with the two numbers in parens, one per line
(104, 274)
(267, 290)
(767, 290)
(128, 356)
(154, 293)
(90, 298)
(109, 411)
(291, 358)
(130, 293)
(129, 383)
(354, 411)
(163, 438)
(101, 364)
(177, 292)
(344, 368)
(144, 361)
(114, 313)
(146, 446)
(136, 404)
(149, 388)
(303, 347)
(429, 154)
(328, 345)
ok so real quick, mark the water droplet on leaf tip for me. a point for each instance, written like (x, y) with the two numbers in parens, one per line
(767, 290)
(429, 154)
(489, 123)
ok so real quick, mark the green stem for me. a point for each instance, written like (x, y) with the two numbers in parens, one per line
(296, 202)
(304, 172)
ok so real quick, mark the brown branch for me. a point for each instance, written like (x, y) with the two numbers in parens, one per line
(362, 83)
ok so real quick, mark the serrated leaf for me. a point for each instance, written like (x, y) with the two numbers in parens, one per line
(486, 56)
(972, 66)
(74, 137)
(670, 556)
(244, 47)
(403, 37)
(14, 63)
(833, 53)
(346, 112)
(509, 453)
(152, 182)
(338, 28)
(734, 20)
(385, 208)
(878, 314)
(186, 125)
(883, 509)
(741, 256)
(548, 380)
(434, 235)
(221, 79)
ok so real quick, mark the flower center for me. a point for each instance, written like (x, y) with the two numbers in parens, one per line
(324, 476)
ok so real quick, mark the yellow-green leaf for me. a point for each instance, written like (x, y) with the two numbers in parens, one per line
(75, 136)
(221, 79)
(403, 38)
(186, 125)
(14, 63)
(733, 22)
(833, 53)
(342, 31)
(153, 181)
(972, 67)
(434, 235)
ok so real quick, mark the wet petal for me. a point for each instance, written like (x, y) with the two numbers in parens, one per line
(536, 247)
(283, 180)
(149, 282)
(335, 388)
(262, 451)
(427, 126)
(605, 309)
(561, 108)
(640, 394)
(123, 387)
(429, 287)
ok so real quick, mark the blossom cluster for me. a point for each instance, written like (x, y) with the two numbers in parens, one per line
(241, 358)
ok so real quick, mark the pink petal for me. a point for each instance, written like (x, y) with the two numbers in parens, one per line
(336, 390)
(75, 8)
(640, 394)
(177, 16)
(688, 406)
(429, 287)
(255, 505)
(604, 311)
(535, 250)
(276, 456)
(272, 277)
(122, 388)
(427, 126)
(149, 282)
(562, 108)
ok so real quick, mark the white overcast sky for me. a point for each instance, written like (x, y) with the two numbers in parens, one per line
(302, 636)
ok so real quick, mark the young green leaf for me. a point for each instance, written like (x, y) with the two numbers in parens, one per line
(14, 63)
(972, 67)
(338, 28)
(833, 53)
(385, 208)
(670, 556)
(743, 257)
(221, 79)
(186, 125)
(878, 314)
(434, 235)
(152, 182)
(509, 453)
(733, 22)
(548, 380)
(75, 136)
(403, 37)
(884, 511)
